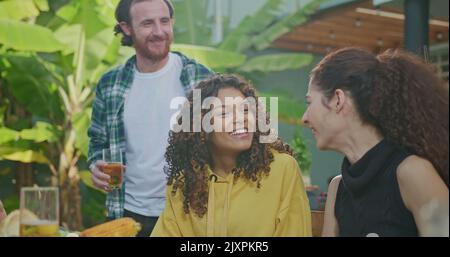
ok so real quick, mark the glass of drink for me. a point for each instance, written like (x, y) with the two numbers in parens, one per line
(113, 167)
(39, 212)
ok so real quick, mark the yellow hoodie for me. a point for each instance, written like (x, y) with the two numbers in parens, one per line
(279, 207)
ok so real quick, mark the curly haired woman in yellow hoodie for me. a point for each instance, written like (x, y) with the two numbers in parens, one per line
(230, 184)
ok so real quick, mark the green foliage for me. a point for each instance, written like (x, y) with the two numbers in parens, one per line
(16, 145)
(33, 82)
(257, 30)
(57, 86)
(42, 132)
(238, 40)
(42, 5)
(93, 206)
(20, 9)
(51, 70)
(23, 151)
(303, 156)
(192, 25)
(241, 38)
(84, 13)
(7, 135)
(277, 62)
(211, 57)
(22, 36)
(2, 114)
(11, 203)
(265, 39)
(271, 21)
(22, 155)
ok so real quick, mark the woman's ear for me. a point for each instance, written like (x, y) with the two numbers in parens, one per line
(341, 99)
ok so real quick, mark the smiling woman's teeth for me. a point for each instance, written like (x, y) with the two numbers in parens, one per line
(239, 132)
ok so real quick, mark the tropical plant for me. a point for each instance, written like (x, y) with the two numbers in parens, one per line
(303, 156)
(50, 60)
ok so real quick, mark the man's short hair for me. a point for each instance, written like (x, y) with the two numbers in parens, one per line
(123, 15)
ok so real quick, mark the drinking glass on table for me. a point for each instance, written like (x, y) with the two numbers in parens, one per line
(39, 212)
(113, 167)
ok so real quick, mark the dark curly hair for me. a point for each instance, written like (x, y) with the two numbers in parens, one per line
(123, 15)
(396, 92)
(188, 156)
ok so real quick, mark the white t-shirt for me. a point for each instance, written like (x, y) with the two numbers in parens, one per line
(147, 116)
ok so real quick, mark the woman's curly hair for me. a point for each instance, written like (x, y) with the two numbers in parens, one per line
(396, 92)
(188, 156)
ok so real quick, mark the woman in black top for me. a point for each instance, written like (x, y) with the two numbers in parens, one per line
(388, 114)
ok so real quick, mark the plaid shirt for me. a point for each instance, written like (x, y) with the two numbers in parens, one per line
(107, 125)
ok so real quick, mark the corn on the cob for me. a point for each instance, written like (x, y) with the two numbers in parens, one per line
(124, 227)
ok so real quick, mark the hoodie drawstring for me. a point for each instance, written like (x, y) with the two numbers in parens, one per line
(210, 206)
(224, 223)
(210, 222)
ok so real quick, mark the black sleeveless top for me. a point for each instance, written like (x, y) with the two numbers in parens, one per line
(368, 200)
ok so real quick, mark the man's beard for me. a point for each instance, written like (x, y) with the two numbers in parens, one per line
(149, 53)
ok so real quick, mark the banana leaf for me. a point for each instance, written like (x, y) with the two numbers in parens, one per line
(22, 154)
(211, 57)
(20, 9)
(22, 36)
(277, 62)
(83, 12)
(192, 25)
(33, 83)
(240, 38)
(266, 38)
